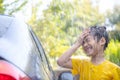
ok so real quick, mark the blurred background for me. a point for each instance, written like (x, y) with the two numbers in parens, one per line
(58, 23)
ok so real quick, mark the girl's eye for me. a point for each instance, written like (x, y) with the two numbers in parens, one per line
(83, 42)
(88, 40)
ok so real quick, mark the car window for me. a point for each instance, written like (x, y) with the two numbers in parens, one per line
(44, 62)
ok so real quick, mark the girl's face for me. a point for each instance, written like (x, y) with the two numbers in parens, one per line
(91, 46)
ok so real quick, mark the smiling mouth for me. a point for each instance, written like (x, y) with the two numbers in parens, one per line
(87, 49)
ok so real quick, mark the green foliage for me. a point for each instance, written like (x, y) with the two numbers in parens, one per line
(11, 7)
(113, 52)
(114, 17)
(115, 34)
(17, 7)
(2, 9)
(62, 22)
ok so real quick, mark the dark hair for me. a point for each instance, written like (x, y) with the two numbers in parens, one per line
(99, 32)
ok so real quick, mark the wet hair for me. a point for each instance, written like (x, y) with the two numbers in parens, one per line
(99, 32)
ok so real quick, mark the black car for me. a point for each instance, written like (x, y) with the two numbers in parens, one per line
(22, 56)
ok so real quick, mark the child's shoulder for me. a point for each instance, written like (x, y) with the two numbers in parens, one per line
(112, 65)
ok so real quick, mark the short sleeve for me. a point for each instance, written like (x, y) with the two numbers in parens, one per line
(76, 66)
(116, 73)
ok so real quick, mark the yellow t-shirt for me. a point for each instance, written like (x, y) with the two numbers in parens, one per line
(87, 71)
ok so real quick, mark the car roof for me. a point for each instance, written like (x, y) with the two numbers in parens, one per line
(5, 22)
(15, 41)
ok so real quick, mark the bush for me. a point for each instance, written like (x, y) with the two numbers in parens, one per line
(113, 52)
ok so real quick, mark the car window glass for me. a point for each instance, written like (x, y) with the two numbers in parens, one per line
(39, 72)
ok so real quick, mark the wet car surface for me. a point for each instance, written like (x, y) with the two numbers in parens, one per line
(22, 56)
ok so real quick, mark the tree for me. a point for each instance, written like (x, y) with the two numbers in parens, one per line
(62, 22)
(1, 7)
(114, 17)
(11, 7)
(113, 50)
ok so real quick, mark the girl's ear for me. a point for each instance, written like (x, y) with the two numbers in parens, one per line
(102, 41)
